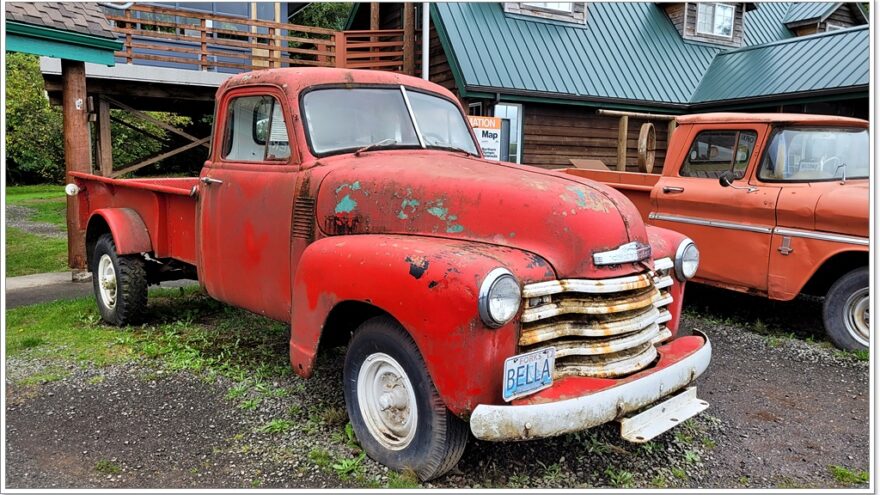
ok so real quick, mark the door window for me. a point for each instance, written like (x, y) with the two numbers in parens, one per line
(255, 130)
(716, 152)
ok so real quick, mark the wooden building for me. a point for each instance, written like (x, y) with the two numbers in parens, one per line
(579, 80)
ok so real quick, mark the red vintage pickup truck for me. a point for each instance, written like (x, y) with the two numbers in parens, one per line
(356, 206)
(777, 203)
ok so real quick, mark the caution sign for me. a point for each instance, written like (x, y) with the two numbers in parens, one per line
(488, 131)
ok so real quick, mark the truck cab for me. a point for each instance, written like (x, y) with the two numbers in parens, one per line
(777, 203)
(475, 297)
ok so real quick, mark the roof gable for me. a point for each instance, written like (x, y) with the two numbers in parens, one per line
(78, 17)
(804, 12)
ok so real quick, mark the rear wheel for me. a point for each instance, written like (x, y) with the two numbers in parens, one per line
(396, 412)
(120, 283)
(846, 311)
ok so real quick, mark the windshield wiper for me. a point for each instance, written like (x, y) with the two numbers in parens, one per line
(380, 144)
(449, 146)
(843, 166)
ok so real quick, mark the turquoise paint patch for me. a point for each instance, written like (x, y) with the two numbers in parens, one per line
(356, 185)
(438, 211)
(346, 205)
(581, 196)
(412, 204)
(454, 229)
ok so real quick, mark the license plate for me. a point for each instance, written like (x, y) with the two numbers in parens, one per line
(527, 373)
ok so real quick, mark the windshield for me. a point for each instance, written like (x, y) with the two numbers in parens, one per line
(813, 154)
(347, 119)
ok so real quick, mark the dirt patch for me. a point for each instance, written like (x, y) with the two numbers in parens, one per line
(18, 217)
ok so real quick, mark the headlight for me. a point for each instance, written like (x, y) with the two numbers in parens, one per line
(500, 297)
(687, 260)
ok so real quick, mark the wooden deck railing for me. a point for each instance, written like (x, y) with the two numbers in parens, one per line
(188, 39)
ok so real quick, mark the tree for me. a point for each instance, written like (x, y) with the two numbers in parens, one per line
(34, 143)
(328, 15)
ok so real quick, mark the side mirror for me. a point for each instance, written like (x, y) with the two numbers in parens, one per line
(726, 179)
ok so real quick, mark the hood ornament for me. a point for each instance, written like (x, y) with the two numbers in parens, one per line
(630, 252)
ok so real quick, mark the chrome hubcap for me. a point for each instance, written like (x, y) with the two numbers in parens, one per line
(387, 401)
(107, 281)
(857, 315)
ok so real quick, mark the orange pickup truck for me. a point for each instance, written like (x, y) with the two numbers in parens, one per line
(777, 203)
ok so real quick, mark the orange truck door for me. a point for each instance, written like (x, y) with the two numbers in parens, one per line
(246, 202)
(732, 226)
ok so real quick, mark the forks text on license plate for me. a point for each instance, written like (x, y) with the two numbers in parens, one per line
(527, 373)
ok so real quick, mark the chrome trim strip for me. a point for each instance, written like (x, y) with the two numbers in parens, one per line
(721, 224)
(822, 236)
(663, 264)
(601, 286)
(626, 253)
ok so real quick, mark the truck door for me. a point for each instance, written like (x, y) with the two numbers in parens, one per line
(732, 226)
(246, 203)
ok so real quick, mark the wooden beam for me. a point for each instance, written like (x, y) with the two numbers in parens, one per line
(670, 127)
(105, 143)
(150, 118)
(409, 38)
(622, 134)
(77, 155)
(139, 130)
(636, 115)
(159, 157)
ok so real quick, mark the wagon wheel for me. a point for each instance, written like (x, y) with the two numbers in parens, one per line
(647, 147)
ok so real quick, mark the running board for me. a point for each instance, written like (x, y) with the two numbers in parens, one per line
(662, 416)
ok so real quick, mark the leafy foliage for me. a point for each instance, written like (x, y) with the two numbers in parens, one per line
(330, 15)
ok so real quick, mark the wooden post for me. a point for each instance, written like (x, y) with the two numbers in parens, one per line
(77, 156)
(409, 38)
(203, 45)
(105, 143)
(374, 16)
(340, 49)
(622, 134)
(129, 26)
(669, 129)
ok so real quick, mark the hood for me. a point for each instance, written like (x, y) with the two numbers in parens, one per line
(844, 209)
(563, 219)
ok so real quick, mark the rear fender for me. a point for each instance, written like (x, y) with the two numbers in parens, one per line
(430, 286)
(128, 229)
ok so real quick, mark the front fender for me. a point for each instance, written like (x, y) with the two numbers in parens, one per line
(664, 243)
(128, 229)
(430, 286)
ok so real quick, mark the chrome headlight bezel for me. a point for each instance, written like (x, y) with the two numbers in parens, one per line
(684, 248)
(490, 283)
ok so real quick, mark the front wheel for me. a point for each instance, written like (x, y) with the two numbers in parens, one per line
(846, 311)
(395, 410)
(120, 283)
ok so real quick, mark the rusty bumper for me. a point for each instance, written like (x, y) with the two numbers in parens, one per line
(522, 422)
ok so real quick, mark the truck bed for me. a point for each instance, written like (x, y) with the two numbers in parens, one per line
(636, 186)
(166, 205)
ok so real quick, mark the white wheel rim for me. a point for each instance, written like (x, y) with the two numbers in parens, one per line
(107, 281)
(857, 316)
(387, 401)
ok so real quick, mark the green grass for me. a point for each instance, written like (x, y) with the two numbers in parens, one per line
(107, 467)
(619, 478)
(847, 477)
(276, 426)
(28, 253)
(408, 479)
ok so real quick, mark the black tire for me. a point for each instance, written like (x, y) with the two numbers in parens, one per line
(439, 438)
(842, 302)
(131, 284)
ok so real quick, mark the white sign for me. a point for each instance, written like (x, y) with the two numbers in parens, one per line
(488, 131)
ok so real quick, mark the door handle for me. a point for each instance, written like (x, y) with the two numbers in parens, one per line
(672, 189)
(208, 181)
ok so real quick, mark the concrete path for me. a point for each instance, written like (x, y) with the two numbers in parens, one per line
(45, 287)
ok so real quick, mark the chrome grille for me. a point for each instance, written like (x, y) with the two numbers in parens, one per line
(600, 328)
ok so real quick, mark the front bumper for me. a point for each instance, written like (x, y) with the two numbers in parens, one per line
(522, 422)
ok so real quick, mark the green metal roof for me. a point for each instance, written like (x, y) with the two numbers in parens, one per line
(800, 12)
(764, 23)
(834, 61)
(625, 52)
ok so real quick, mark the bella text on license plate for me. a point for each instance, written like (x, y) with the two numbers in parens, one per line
(527, 373)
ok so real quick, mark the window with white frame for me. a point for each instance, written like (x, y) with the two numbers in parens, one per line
(833, 27)
(513, 113)
(559, 6)
(715, 19)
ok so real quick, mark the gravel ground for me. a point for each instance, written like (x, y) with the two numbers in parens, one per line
(18, 216)
(782, 411)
